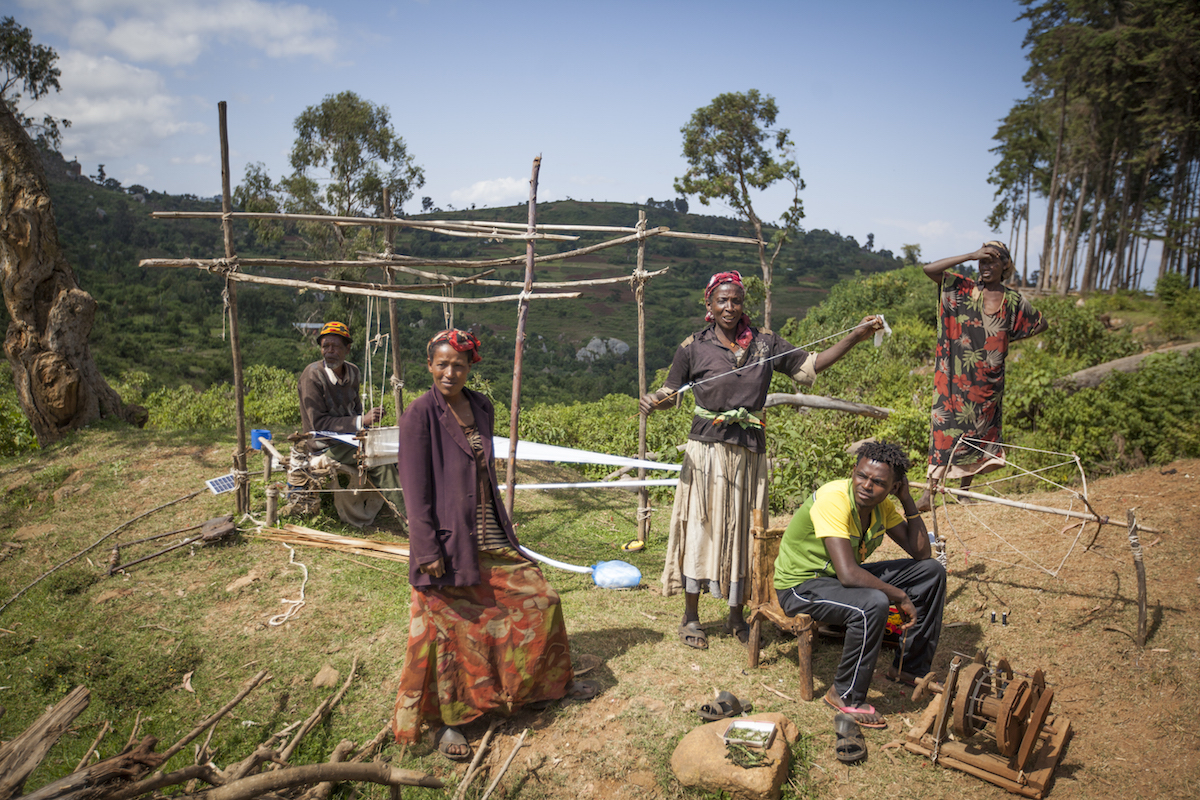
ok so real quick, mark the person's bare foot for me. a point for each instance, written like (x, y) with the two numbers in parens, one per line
(924, 504)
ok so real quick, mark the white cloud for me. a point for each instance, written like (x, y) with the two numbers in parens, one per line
(200, 159)
(115, 109)
(175, 33)
(497, 192)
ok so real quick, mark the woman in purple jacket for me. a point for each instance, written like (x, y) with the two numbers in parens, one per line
(486, 631)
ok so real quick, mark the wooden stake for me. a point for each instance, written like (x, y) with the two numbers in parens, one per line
(272, 505)
(519, 355)
(240, 478)
(639, 292)
(1139, 567)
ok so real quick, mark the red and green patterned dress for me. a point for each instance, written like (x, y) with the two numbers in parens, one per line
(969, 382)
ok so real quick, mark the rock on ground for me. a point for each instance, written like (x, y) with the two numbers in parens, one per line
(699, 761)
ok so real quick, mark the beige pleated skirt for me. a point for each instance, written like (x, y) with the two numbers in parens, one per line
(709, 544)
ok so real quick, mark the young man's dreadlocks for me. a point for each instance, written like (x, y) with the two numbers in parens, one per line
(886, 453)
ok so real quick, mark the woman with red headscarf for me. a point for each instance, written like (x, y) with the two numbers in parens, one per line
(486, 632)
(728, 366)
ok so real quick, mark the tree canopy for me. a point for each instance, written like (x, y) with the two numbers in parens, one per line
(27, 72)
(733, 151)
(1109, 137)
(345, 154)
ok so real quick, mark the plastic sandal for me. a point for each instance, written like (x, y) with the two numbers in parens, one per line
(448, 737)
(850, 747)
(726, 705)
(693, 635)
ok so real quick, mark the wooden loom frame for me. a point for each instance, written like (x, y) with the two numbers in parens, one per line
(230, 267)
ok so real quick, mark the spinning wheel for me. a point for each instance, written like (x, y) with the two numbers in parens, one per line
(981, 702)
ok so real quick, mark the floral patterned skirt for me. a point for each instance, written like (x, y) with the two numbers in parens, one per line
(476, 649)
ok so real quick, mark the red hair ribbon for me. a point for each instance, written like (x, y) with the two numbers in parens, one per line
(733, 276)
(462, 341)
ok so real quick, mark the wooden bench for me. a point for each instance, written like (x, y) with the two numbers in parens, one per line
(764, 603)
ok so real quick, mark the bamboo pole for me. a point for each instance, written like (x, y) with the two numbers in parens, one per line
(519, 354)
(240, 480)
(389, 239)
(381, 290)
(643, 512)
(511, 260)
(351, 221)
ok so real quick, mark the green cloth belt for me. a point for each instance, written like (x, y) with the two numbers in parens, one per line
(737, 416)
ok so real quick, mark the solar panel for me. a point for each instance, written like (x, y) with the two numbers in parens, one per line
(221, 485)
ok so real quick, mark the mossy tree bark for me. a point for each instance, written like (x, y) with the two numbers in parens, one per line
(57, 382)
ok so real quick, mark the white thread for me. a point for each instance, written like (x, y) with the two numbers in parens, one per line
(295, 605)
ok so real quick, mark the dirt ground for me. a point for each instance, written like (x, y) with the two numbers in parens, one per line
(1133, 711)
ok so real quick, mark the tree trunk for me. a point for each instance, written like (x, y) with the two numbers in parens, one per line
(1072, 245)
(57, 382)
(1048, 234)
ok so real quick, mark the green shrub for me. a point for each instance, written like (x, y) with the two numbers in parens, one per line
(1147, 416)
(1182, 316)
(1077, 334)
(16, 434)
(1168, 288)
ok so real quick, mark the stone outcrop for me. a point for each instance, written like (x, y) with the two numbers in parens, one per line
(699, 761)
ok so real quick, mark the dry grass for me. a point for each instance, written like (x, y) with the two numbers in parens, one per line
(131, 638)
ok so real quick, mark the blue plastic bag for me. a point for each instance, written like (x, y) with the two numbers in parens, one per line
(616, 575)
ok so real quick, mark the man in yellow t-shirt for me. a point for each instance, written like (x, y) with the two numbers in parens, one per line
(820, 572)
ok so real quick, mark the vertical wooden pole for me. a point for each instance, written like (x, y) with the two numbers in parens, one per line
(272, 503)
(240, 478)
(389, 242)
(519, 356)
(1139, 567)
(643, 512)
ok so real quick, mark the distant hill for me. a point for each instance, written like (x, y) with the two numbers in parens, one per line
(168, 323)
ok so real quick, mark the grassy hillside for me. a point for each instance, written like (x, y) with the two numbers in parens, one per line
(167, 323)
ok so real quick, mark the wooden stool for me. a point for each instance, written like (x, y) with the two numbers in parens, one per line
(764, 603)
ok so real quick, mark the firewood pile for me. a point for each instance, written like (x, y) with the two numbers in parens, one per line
(138, 771)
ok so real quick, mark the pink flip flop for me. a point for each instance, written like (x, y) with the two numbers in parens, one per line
(865, 715)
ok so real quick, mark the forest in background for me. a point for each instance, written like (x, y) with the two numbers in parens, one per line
(1108, 137)
(166, 324)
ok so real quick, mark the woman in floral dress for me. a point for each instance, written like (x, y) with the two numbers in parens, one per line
(976, 322)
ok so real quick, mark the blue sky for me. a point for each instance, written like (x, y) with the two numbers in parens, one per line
(892, 105)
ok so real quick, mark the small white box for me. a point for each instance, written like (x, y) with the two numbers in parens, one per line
(750, 733)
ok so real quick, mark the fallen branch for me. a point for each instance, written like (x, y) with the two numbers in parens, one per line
(320, 713)
(372, 746)
(504, 768)
(94, 545)
(247, 688)
(776, 691)
(95, 743)
(383, 774)
(22, 755)
(830, 403)
(322, 790)
(472, 770)
(158, 780)
(1093, 376)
